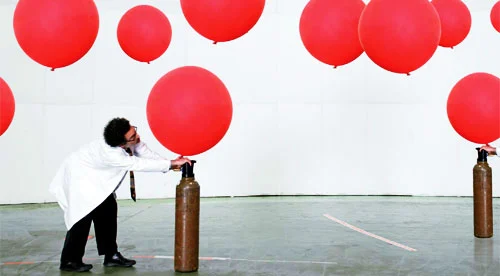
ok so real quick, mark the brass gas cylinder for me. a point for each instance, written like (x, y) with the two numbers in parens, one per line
(483, 197)
(187, 221)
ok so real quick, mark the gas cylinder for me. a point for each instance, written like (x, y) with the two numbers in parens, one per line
(483, 197)
(187, 221)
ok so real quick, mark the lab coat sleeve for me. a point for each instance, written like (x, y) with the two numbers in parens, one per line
(120, 160)
(143, 151)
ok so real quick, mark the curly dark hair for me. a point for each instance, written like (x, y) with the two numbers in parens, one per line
(115, 130)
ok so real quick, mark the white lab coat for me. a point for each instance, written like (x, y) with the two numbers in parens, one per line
(88, 176)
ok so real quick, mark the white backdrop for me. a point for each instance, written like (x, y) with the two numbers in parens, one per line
(298, 127)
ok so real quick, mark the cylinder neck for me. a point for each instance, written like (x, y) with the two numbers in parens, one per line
(188, 170)
(482, 155)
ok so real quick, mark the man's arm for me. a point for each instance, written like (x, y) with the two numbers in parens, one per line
(119, 159)
(143, 151)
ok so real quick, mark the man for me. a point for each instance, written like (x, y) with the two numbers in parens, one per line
(85, 188)
(491, 150)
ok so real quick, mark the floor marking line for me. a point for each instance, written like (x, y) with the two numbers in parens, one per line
(144, 257)
(368, 233)
(244, 260)
(164, 257)
(172, 257)
(283, 261)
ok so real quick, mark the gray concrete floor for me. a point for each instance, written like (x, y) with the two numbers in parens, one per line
(272, 236)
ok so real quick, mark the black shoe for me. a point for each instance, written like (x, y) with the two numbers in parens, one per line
(118, 260)
(75, 266)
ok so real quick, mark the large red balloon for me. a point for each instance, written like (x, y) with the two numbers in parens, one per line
(495, 16)
(329, 30)
(189, 110)
(7, 106)
(455, 21)
(474, 108)
(222, 20)
(56, 33)
(399, 36)
(144, 33)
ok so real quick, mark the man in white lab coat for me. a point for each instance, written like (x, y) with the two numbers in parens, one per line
(85, 186)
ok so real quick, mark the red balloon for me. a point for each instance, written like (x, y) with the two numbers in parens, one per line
(144, 33)
(399, 36)
(474, 108)
(329, 30)
(7, 106)
(222, 20)
(56, 33)
(455, 21)
(189, 110)
(495, 16)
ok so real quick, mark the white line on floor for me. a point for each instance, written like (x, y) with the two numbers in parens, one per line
(242, 260)
(368, 233)
(172, 257)
(283, 261)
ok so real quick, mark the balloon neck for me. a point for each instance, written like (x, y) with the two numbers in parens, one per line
(334, 66)
(52, 69)
(148, 62)
(407, 74)
(451, 47)
(215, 42)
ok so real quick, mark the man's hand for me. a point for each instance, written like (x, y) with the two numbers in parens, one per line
(177, 163)
(491, 150)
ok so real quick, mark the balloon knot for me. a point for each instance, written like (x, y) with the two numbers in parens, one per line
(407, 74)
(334, 66)
(451, 47)
(52, 69)
(148, 62)
(215, 42)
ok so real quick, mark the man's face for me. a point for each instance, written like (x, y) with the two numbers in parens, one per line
(132, 137)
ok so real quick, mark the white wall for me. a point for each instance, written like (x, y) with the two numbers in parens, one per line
(299, 126)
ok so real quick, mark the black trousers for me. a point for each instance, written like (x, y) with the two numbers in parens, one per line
(105, 224)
